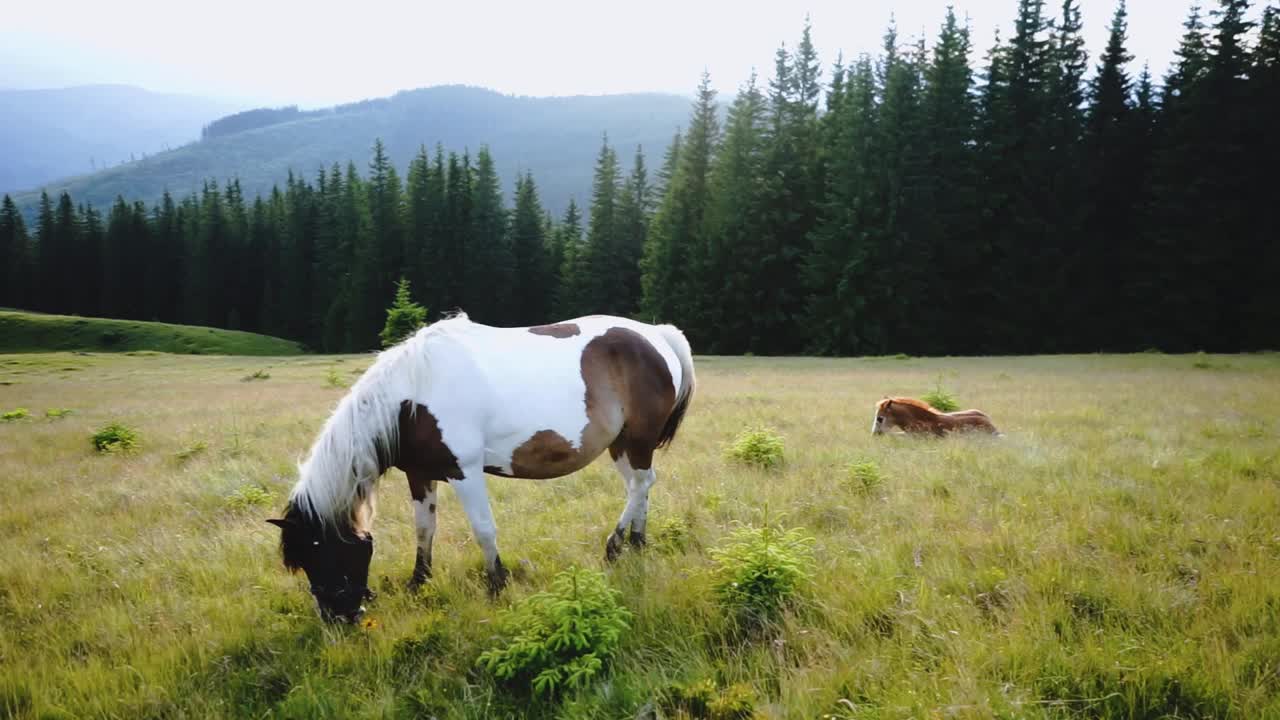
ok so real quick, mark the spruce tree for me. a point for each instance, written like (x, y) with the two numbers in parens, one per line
(569, 252)
(1108, 250)
(600, 281)
(533, 282)
(490, 266)
(404, 317)
(732, 228)
(15, 257)
(631, 226)
(46, 257)
(87, 259)
(953, 187)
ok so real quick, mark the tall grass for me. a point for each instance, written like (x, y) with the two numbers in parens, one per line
(1113, 556)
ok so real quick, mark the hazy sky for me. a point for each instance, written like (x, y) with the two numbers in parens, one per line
(318, 53)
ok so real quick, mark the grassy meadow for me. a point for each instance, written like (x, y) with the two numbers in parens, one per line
(25, 332)
(1116, 554)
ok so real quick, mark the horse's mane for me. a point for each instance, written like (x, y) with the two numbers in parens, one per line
(336, 481)
(911, 402)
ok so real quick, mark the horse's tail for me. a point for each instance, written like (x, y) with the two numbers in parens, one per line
(680, 345)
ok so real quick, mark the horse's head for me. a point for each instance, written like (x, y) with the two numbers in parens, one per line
(884, 417)
(336, 561)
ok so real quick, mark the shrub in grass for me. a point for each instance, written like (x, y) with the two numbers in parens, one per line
(256, 375)
(115, 438)
(761, 447)
(672, 534)
(559, 639)
(191, 451)
(334, 380)
(249, 496)
(940, 398)
(705, 701)
(760, 570)
(15, 414)
(863, 476)
(56, 413)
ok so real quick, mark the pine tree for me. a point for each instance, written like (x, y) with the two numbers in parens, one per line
(1262, 311)
(732, 227)
(87, 258)
(655, 266)
(953, 181)
(634, 208)
(791, 187)
(568, 251)
(1108, 250)
(1061, 192)
(404, 317)
(490, 267)
(15, 257)
(46, 257)
(600, 280)
(533, 283)
(384, 257)
(671, 288)
(64, 243)
(164, 283)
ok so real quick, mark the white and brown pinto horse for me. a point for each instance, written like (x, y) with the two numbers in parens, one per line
(460, 399)
(917, 416)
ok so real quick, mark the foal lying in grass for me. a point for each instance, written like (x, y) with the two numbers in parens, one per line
(916, 416)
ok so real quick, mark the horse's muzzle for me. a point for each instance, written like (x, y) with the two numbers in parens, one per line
(342, 604)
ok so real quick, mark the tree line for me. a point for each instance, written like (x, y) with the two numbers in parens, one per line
(907, 202)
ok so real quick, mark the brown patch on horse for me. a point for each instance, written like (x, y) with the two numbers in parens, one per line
(629, 398)
(629, 387)
(545, 455)
(422, 452)
(917, 416)
(558, 330)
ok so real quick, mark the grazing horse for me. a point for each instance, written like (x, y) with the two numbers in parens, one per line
(917, 416)
(459, 399)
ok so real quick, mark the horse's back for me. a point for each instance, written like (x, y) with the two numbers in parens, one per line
(555, 392)
(975, 419)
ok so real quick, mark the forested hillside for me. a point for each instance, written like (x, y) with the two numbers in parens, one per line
(922, 201)
(556, 137)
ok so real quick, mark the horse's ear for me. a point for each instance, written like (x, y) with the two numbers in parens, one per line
(887, 403)
(281, 523)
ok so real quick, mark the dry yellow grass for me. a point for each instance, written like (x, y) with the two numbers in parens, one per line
(1116, 554)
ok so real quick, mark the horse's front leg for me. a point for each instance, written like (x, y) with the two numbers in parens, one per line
(474, 496)
(423, 492)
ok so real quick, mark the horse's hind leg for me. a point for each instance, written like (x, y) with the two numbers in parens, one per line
(423, 492)
(634, 463)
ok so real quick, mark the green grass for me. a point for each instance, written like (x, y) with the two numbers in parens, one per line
(24, 332)
(1115, 555)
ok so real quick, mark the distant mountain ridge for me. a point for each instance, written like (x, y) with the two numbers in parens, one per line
(49, 134)
(557, 138)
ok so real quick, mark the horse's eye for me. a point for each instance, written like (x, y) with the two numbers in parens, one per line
(879, 418)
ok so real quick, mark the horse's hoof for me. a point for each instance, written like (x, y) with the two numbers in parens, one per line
(417, 581)
(637, 539)
(497, 579)
(370, 595)
(613, 547)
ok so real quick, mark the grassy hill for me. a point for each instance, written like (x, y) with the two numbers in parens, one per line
(50, 134)
(556, 138)
(34, 332)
